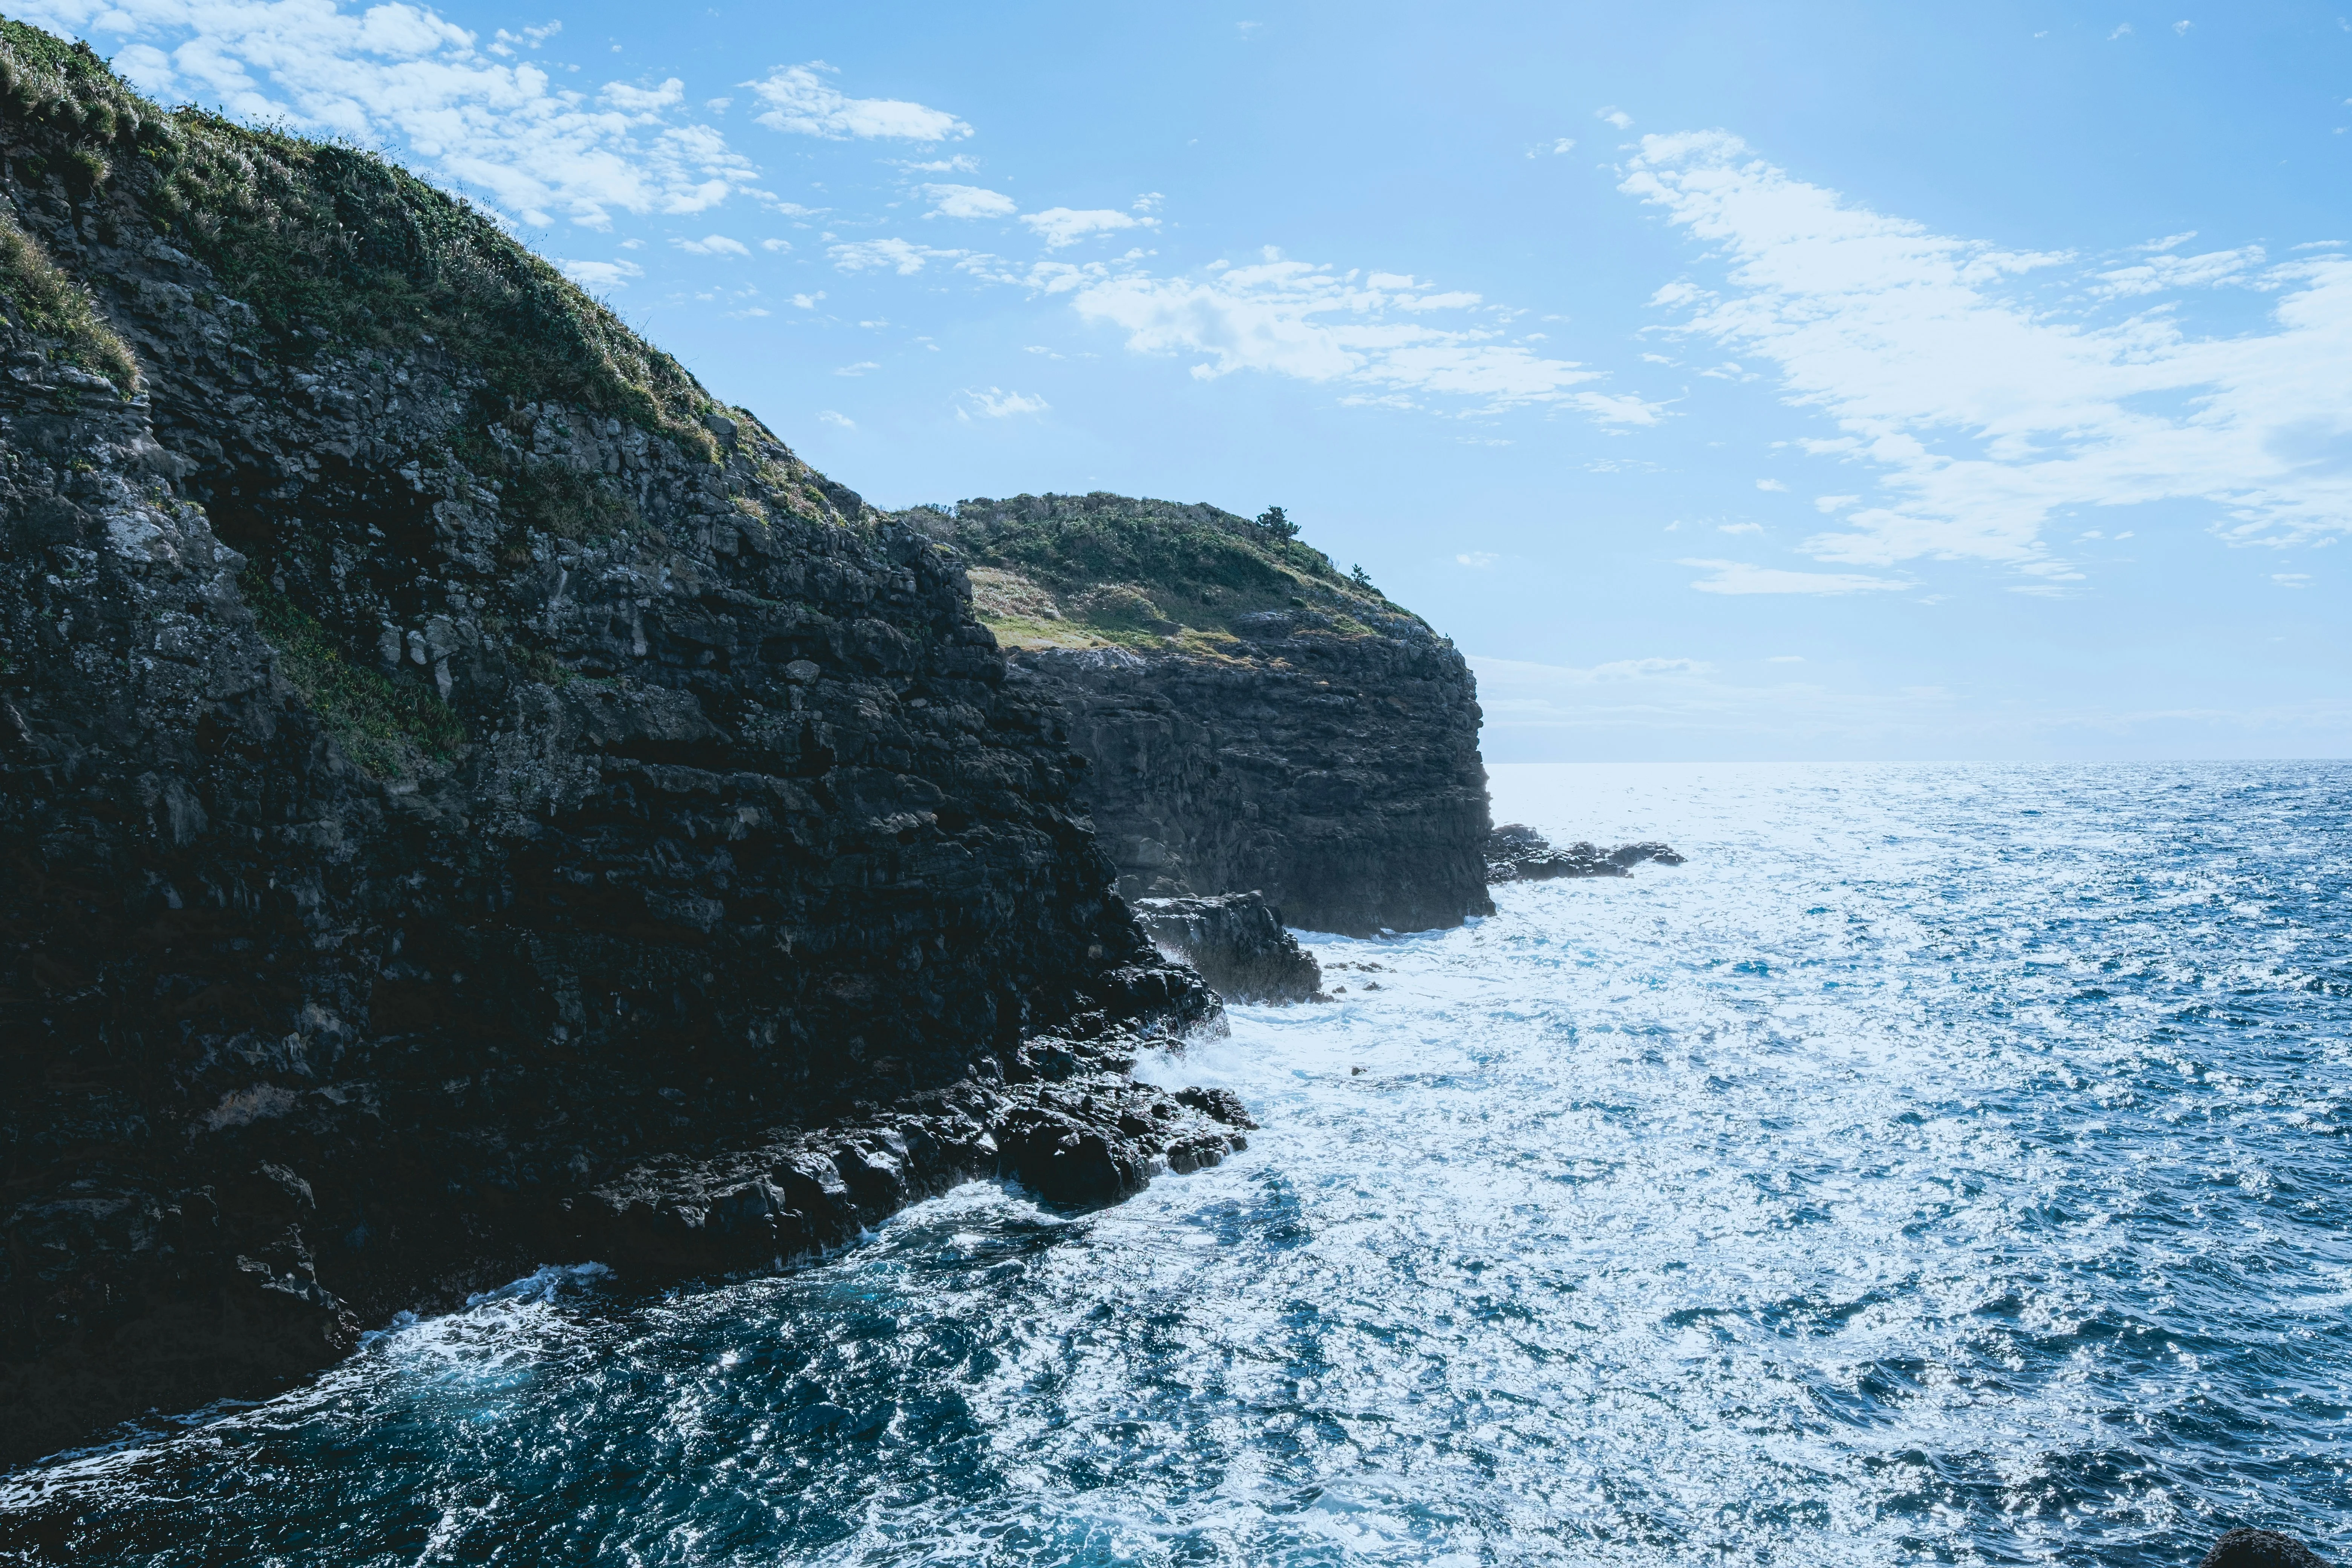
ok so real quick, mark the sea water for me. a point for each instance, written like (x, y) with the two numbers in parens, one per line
(1946, 1164)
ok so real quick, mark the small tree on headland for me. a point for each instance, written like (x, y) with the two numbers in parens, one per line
(1272, 521)
(1362, 578)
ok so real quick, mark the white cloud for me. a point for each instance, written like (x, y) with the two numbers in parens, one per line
(775, 245)
(1480, 559)
(995, 403)
(860, 368)
(402, 74)
(2291, 579)
(1738, 577)
(2123, 31)
(2160, 272)
(2182, 28)
(887, 255)
(968, 201)
(842, 421)
(1297, 320)
(802, 101)
(808, 301)
(1786, 659)
(1985, 416)
(1614, 116)
(605, 275)
(529, 37)
(1770, 485)
(961, 163)
(1554, 147)
(1058, 227)
(713, 245)
(645, 99)
(1834, 503)
(1739, 528)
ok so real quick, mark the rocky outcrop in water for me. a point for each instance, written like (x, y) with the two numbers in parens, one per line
(2245, 1548)
(1517, 853)
(1066, 1122)
(466, 799)
(1253, 719)
(1237, 942)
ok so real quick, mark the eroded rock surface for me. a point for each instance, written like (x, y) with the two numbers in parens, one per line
(451, 772)
(1254, 718)
(1237, 942)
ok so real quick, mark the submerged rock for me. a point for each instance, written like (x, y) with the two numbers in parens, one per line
(1237, 942)
(1517, 853)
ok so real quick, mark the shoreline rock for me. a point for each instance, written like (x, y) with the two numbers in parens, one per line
(1237, 942)
(450, 767)
(1517, 853)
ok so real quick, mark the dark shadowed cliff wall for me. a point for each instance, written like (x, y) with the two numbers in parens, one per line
(446, 763)
(1253, 719)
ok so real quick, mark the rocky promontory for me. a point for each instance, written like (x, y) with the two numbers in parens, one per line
(467, 798)
(1252, 718)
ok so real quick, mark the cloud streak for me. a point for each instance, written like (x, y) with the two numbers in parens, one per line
(1739, 577)
(1294, 318)
(1985, 417)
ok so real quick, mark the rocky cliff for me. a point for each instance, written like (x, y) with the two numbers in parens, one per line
(467, 799)
(1254, 720)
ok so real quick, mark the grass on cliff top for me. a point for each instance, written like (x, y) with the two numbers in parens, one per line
(331, 246)
(1100, 570)
(37, 296)
(383, 725)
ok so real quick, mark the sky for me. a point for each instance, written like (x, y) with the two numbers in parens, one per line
(1730, 382)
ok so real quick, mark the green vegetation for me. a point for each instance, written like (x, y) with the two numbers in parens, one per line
(567, 502)
(1110, 571)
(38, 297)
(383, 725)
(331, 246)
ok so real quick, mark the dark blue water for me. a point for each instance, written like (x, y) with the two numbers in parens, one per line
(1950, 1165)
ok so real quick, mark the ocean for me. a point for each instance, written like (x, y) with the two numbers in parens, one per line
(1946, 1164)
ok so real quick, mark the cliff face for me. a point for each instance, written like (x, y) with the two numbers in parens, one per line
(1254, 720)
(466, 800)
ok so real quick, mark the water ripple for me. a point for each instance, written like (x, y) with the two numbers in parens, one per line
(1945, 1165)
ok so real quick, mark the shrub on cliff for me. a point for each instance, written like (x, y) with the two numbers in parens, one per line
(330, 245)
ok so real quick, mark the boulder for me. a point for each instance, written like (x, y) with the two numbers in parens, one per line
(1237, 943)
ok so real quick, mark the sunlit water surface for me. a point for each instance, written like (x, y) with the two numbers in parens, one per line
(1947, 1164)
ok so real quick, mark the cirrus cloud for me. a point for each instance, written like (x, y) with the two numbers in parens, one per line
(1739, 577)
(1294, 318)
(1984, 416)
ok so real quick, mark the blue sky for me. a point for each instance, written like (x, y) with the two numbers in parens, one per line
(1730, 382)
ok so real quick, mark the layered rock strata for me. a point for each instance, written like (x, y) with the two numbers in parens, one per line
(464, 794)
(1237, 943)
(1253, 719)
